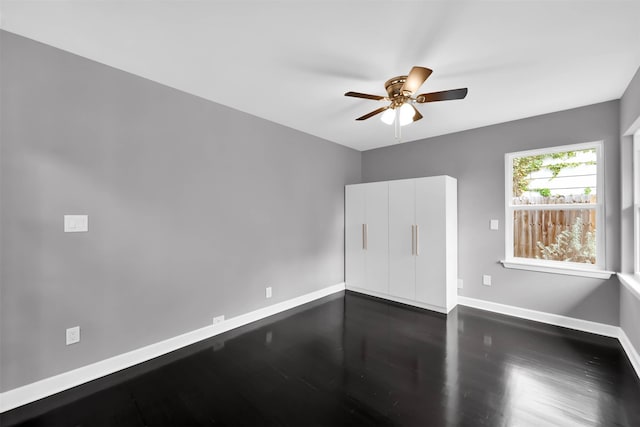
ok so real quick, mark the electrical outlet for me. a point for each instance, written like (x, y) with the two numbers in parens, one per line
(488, 340)
(268, 292)
(73, 335)
(460, 284)
(218, 319)
(494, 225)
(486, 280)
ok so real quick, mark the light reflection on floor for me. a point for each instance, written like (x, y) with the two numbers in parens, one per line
(538, 397)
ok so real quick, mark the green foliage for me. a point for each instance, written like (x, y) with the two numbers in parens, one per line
(587, 191)
(544, 192)
(523, 167)
(557, 167)
(574, 245)
(564, 155)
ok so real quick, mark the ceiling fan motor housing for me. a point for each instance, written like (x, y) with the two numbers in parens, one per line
(394, 90)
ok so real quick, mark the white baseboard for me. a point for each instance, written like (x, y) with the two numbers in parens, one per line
(31, 392)
(401, 300)
(559, 320)
(632, 353)
(541, 316)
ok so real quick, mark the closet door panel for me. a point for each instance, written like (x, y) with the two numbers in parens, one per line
(402, 271)
(452, 241)
(431, 280)
(377, 237)
(354, 220)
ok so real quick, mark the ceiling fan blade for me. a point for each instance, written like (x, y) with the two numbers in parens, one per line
(416, 77)
(445, 95)
(365, 95)
(373, 113)
(417, 116)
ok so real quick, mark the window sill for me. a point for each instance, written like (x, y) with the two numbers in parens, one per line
(569, 271)
(631, 282)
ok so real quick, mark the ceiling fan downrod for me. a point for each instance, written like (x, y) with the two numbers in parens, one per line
(396, 125)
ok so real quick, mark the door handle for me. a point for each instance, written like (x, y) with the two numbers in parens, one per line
(365, 232)
(413, 239)
(417, 240)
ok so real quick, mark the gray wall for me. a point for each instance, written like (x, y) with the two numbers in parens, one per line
(629, 116)
(476, 159)
(630, 316)
(194, 208)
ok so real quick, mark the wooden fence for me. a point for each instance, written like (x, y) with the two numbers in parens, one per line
(531, 226)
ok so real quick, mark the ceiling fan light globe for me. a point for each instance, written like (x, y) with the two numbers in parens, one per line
(406, 114)
(388, 116)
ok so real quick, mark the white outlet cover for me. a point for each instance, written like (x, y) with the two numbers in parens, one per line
(495, 224)
(460, 284)
(218, 319)
(76, 223)
(488, 340)
(486, 280)
(268, 292)
(73, 335)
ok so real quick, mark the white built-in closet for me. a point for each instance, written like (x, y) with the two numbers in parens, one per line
(401, 241)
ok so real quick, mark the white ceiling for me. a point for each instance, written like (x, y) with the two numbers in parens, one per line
(291, 61)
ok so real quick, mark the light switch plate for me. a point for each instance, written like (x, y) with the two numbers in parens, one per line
(486, 280)
(76, 223)
(73, 335)
(494, 224)
(460, 284)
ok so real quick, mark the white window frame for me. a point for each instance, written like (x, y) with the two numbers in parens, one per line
(632, 281)
(550, 266)
(636, 202)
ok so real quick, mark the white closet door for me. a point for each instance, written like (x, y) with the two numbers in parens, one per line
(452, 241)
(377, 237)
(431, 260)
(402, 271)
(354, 221)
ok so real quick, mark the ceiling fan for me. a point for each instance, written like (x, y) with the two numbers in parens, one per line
(400, 94)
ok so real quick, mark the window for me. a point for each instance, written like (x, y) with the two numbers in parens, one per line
(555, 210)
(636, 200)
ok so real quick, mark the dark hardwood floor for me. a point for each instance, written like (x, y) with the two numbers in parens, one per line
(354, 360)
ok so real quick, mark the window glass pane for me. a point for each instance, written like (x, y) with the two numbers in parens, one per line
(637, 237)
(636, 198)
(562, 177)
(557, 235)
